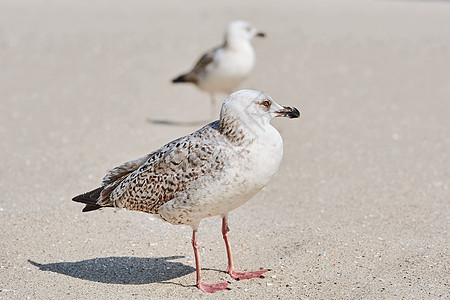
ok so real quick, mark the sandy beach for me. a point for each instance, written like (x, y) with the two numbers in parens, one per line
(359, 208)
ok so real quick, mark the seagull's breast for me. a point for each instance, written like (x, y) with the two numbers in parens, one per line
(265, 155)
(237, 61)
(228, 70)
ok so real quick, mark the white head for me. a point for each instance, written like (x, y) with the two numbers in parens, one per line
(241, 31)
(254, 109)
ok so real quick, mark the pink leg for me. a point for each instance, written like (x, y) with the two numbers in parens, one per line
(206, 287)
(233, 273)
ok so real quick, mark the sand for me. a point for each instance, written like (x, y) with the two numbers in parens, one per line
(359, 208)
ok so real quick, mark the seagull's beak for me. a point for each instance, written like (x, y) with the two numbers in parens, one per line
(289, 112)
(260, 34)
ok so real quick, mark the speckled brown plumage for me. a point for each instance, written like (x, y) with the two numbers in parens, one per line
(149, 182)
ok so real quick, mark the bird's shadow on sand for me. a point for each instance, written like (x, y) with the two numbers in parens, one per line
(121, 270)
(178, 123)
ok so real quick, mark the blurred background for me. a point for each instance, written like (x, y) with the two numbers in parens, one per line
(358, 209)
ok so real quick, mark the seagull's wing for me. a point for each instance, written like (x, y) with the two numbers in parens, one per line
(119, 173)
(147, 183)
(205, 62)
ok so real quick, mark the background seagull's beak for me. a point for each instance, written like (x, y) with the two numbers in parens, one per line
(289, 112)
(260, 34)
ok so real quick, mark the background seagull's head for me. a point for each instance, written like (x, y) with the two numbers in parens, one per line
(254, 108)
(241, 30)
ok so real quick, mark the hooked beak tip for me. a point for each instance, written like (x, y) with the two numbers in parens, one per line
(289, 112)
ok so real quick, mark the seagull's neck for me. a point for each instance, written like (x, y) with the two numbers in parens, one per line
(235, 43)
(243, 131)
(234, 131)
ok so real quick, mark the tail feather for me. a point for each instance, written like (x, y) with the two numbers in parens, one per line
(181, 78)
(185, 78)
(90, 199)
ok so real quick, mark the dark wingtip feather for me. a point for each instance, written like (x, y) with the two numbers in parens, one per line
(181, 78)
(90, 199)
(91, 208)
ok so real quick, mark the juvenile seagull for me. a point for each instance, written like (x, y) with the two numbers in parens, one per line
(204, 174)
(223, 68)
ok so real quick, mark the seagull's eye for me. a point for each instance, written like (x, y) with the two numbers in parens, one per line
(266, 103)
(249, 28)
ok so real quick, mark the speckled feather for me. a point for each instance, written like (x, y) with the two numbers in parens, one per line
(147, 183)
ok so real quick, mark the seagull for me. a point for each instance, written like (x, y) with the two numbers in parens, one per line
(207, 173)
(224, 68)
